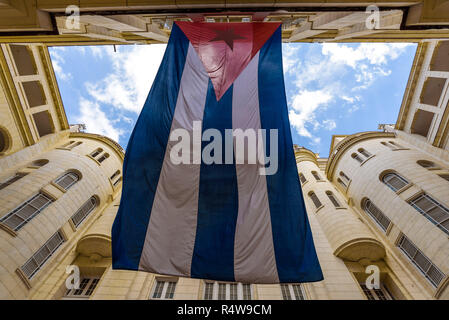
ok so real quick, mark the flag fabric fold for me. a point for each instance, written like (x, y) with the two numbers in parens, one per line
(223, 220)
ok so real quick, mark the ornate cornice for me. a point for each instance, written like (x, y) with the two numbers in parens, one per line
(347, 143)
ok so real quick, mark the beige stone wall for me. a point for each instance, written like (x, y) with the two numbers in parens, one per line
(365, 183)
(15, 250)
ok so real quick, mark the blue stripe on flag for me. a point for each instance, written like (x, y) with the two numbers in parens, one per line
(145, 155)
(213, 254)
(296, 258)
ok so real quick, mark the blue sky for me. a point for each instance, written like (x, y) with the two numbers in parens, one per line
(331, 88)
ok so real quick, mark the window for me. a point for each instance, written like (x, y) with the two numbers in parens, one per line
(316, 176)
(117, 181)
(396, 145)
(292, 291)
(103, 157)
(376, 214)
(376, 294)
(11, 180)
(394, 181)
(332, 198)
(430, 271)
(315, 199)
(67, 180)
(357, 157)
(302, 178)
(164, 289)
(392, 145)
(84, 211)
(342, 183)
(4, 140)
(96, 152)
(432, 210)
(86, 288)
(73, 145)
(20, 216)
(39, 163)
(44, 123)
(227, 291)
(115, 174)
(365, 153)
(427, 164)
(344, 176)
(386, 144)
(42, 255)
(65, 145)
(115, 178)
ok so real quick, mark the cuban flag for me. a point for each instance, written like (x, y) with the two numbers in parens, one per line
(228, 220)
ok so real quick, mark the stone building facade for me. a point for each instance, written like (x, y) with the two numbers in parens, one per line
(379, 202)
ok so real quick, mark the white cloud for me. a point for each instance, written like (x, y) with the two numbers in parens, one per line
(322, 79)
(96, 120)
(133, 72)
(57, 62)
(329, 124)
(303, 109)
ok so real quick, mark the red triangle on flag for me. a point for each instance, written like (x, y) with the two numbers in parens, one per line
(225, 49)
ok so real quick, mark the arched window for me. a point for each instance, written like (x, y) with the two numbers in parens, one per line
(357, 157)
(316, 176)
(116, 174)
(332, 198)
(4, 140)
(302, 178)
(396, 145)
(344, 176)
(386, 144)
(67, 180)
(427, 164)
(84, 211)
(394, 181)
(20, 216)
(376, 214)
(117, 181)
(365, 153)
(39, 163)
(96, 152)
(12, 179)
(315, 199)
(342, 183)
(432, 210)
(74, 145)
(103, 157)
(65, 145)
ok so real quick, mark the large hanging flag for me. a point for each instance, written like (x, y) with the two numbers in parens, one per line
(210, 183)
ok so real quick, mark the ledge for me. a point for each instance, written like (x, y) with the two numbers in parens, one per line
(8, 229)
(366, 160)
(442, 287)
(318, 209)
(24, 278)
(350, 250)
(404, 188)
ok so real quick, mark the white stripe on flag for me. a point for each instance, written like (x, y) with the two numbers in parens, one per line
(175, 206)
(254, 259)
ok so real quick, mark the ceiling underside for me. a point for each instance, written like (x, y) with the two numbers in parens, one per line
(143, 21)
